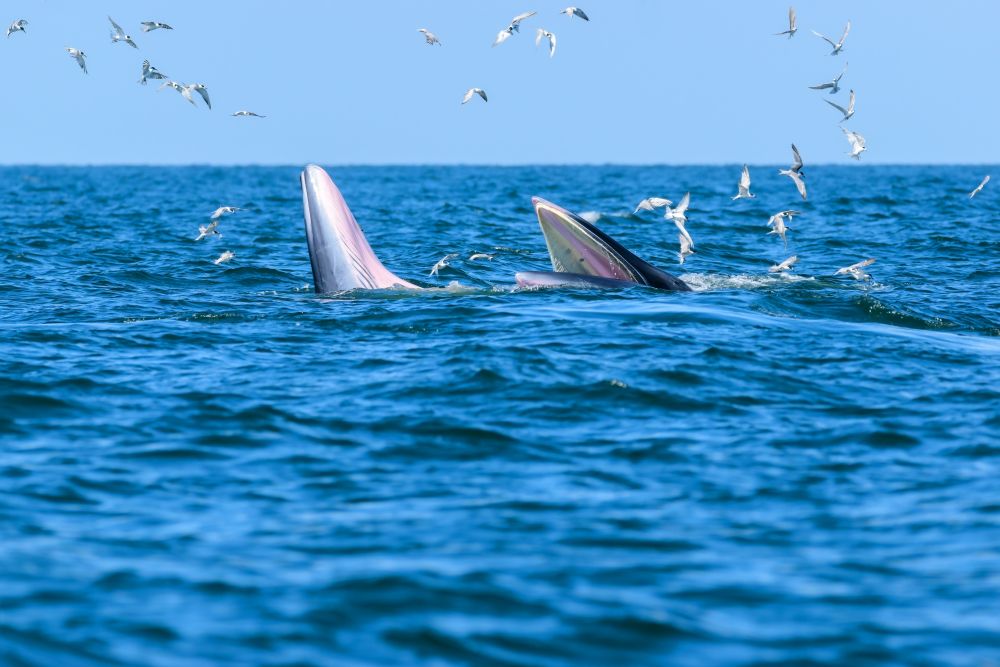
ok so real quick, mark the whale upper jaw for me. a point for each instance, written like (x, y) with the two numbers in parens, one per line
(577, 247)
(340, 255)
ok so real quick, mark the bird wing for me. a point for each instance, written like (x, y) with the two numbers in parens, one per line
(683, 206)
(482, 94)
(538, 36)
(520, 17)
(800, 185)
(204, 95)
(552, 44)
(822, 86)
(791, 18)
(745, 178)
(148, 25)
(796, 159)
(825, 39)
(579, 12)
(850, 105)
(117, 27)
(837, 107)
(659, 202)
(468, 95)
(502, 37)
(847, 29)
(842, 73)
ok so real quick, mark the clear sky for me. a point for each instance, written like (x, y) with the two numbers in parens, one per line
(645, 81)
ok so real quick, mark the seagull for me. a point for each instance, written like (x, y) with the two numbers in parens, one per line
(180, 88)
(150, 72)
(744, 186)
(795, 172)
(16, 26)
(441, 263)
(685, 242)
(651, 204)
(224, 257)
(515, 26)
(834, 85)
(792, 24)
(857, 143)
(855, 270)
(224, 210)
(542, 32)
(837, 46)
(679, 216)
(201, 90)
(148, 26)
(979, 188)
(206, 230)
(118, 35)
(848, 112)
(480, 255)
(247, 114)
(784, 266)
(474, 91)
(777, 223)
(79, 56)
(431, 38)
(575, 11)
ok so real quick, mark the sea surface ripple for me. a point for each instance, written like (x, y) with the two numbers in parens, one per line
(205, 465)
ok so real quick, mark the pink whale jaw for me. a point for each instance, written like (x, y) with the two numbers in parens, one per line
(341, 256)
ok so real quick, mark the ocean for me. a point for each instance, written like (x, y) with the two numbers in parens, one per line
(208, 464)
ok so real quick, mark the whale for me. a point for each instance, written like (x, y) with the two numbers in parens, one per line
(584, 256)
(581, 254)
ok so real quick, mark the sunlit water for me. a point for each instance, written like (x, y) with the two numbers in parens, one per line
(206, 464)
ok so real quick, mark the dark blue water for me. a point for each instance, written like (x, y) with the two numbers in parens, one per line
(206, 464)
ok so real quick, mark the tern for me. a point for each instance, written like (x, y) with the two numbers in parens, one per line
(515, 26)
(474, 91)
(792, 24)
(651, 204)
(150, 72)
(744, 186)
(848, 112)
(542, 33)
(224, 210)
(784, 266)
(480, 255)
(679, 216)
(224, 257)
(979, 188)
(834, 85)
(575, 11)
(180, 88)
(17, 26)
(207, 230)
(441, 263)
(247, 114)
(685, 243)
(795, 172)
(857, 143)
(201, 90)
(837, 46)
(148, 26)
(431, 38)
(79, 56)
(777, 224)
(856, 270)
(118, 35)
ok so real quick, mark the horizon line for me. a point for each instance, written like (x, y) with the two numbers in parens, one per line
(481, 164)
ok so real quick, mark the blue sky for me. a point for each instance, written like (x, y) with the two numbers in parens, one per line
(646, 81)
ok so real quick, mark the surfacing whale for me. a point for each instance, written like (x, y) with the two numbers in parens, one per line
(581, 254)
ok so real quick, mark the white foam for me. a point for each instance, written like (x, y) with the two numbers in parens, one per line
(708, 282)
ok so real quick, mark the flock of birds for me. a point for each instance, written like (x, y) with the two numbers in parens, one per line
(149, 72)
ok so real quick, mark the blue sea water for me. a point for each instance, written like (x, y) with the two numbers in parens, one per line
(210, 464)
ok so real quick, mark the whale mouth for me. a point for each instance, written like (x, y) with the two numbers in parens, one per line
(340, 255)
(578, 247)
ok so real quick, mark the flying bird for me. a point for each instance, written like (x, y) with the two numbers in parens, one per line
(795, 172)
(784, 266)
(515, 26)
(480, 255)
(552, 40)
(118, 35)
(180, 88)
(856, 270)
(247, 114)
(474, 91)
(224, 210)
(148, 26)
(834, 85)
(201, 90)
(744, 186)
(979, 188)
(848, 112)
(431, 38)
(575, 11)
(441, 263)
(17, 26)
(685, 243)
(150, 72)
(837, 46)
(207, 230)
(679, 216)
(224, 257)
(651, 204)
(777, 224)
(793, 26)
(79, 56)
(857, 143)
